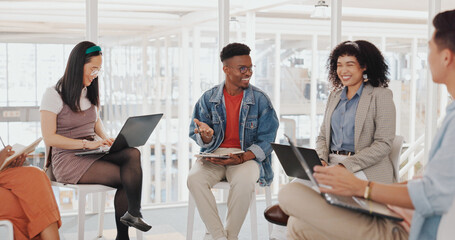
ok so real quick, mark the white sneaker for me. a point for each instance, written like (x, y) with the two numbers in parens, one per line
(278, 233)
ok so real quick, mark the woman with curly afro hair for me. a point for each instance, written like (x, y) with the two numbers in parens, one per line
(359, 122)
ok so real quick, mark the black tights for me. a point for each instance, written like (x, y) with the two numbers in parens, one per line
(121, 170)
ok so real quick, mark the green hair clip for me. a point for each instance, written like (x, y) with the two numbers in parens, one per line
(93, 49)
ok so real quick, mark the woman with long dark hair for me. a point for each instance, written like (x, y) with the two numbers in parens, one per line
(69, 123)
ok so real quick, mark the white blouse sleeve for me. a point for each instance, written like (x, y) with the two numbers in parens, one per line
(51, 101)
(98, 112)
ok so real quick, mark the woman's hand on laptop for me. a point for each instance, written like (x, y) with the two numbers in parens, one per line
(342, 181)
(109, 141)
(97, 144)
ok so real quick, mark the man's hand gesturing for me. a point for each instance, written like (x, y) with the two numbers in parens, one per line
(204, 130)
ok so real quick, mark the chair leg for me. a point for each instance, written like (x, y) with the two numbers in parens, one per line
(254, 221)
(81, 215)
(102, 204)
(268, 203)
(190, 219)
(9, 228)
(139, 234)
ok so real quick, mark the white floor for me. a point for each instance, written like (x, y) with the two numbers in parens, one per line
(168, 223)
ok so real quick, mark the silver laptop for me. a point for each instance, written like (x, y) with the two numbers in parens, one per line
(352, 203)
(134, 133)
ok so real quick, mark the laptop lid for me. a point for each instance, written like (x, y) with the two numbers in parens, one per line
(291, 164)
(135, 131)
(353, 203)
(304, 164)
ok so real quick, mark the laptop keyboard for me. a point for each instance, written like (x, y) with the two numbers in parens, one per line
(353, 201)
(104, 148)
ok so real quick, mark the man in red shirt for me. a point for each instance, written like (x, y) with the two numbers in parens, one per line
(230, 117)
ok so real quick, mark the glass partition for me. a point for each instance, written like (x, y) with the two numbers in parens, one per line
(163, 62)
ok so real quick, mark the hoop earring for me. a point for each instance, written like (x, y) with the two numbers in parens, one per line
(365, 77)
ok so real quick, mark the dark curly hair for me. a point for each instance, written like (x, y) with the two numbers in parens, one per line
(444, 35)
(234, 49)
(367, 55)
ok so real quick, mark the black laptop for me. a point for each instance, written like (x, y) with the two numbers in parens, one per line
(352, 203)
(291, 164)
(134, 133)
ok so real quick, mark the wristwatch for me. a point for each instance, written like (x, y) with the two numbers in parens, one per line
(367, 193)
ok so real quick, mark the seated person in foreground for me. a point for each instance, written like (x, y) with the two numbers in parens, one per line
(421, 202)
(229, 117)
(27, 200)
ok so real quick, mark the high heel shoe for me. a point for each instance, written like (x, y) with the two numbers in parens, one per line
(136, 222)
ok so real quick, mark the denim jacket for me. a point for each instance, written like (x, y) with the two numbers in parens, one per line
(258, 125)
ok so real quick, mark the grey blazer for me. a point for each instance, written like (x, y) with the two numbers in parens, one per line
(374, 132)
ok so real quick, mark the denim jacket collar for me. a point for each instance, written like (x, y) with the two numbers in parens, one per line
(248, 96)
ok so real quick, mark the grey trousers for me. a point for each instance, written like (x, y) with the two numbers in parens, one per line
(312, 218)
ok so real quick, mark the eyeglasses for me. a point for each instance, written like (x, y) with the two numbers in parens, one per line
(96, 72)
(244, 69)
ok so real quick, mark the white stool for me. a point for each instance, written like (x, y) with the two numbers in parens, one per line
(9, 229)
(82, 191)
(253, 213)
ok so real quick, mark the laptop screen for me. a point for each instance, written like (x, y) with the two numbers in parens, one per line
(136, 131)
(303, 162)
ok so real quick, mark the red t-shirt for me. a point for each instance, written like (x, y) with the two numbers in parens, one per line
(232, 103)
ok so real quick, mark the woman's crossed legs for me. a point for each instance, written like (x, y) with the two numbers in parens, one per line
(121, 170)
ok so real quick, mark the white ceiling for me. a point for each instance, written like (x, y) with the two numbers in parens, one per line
(28, 20)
